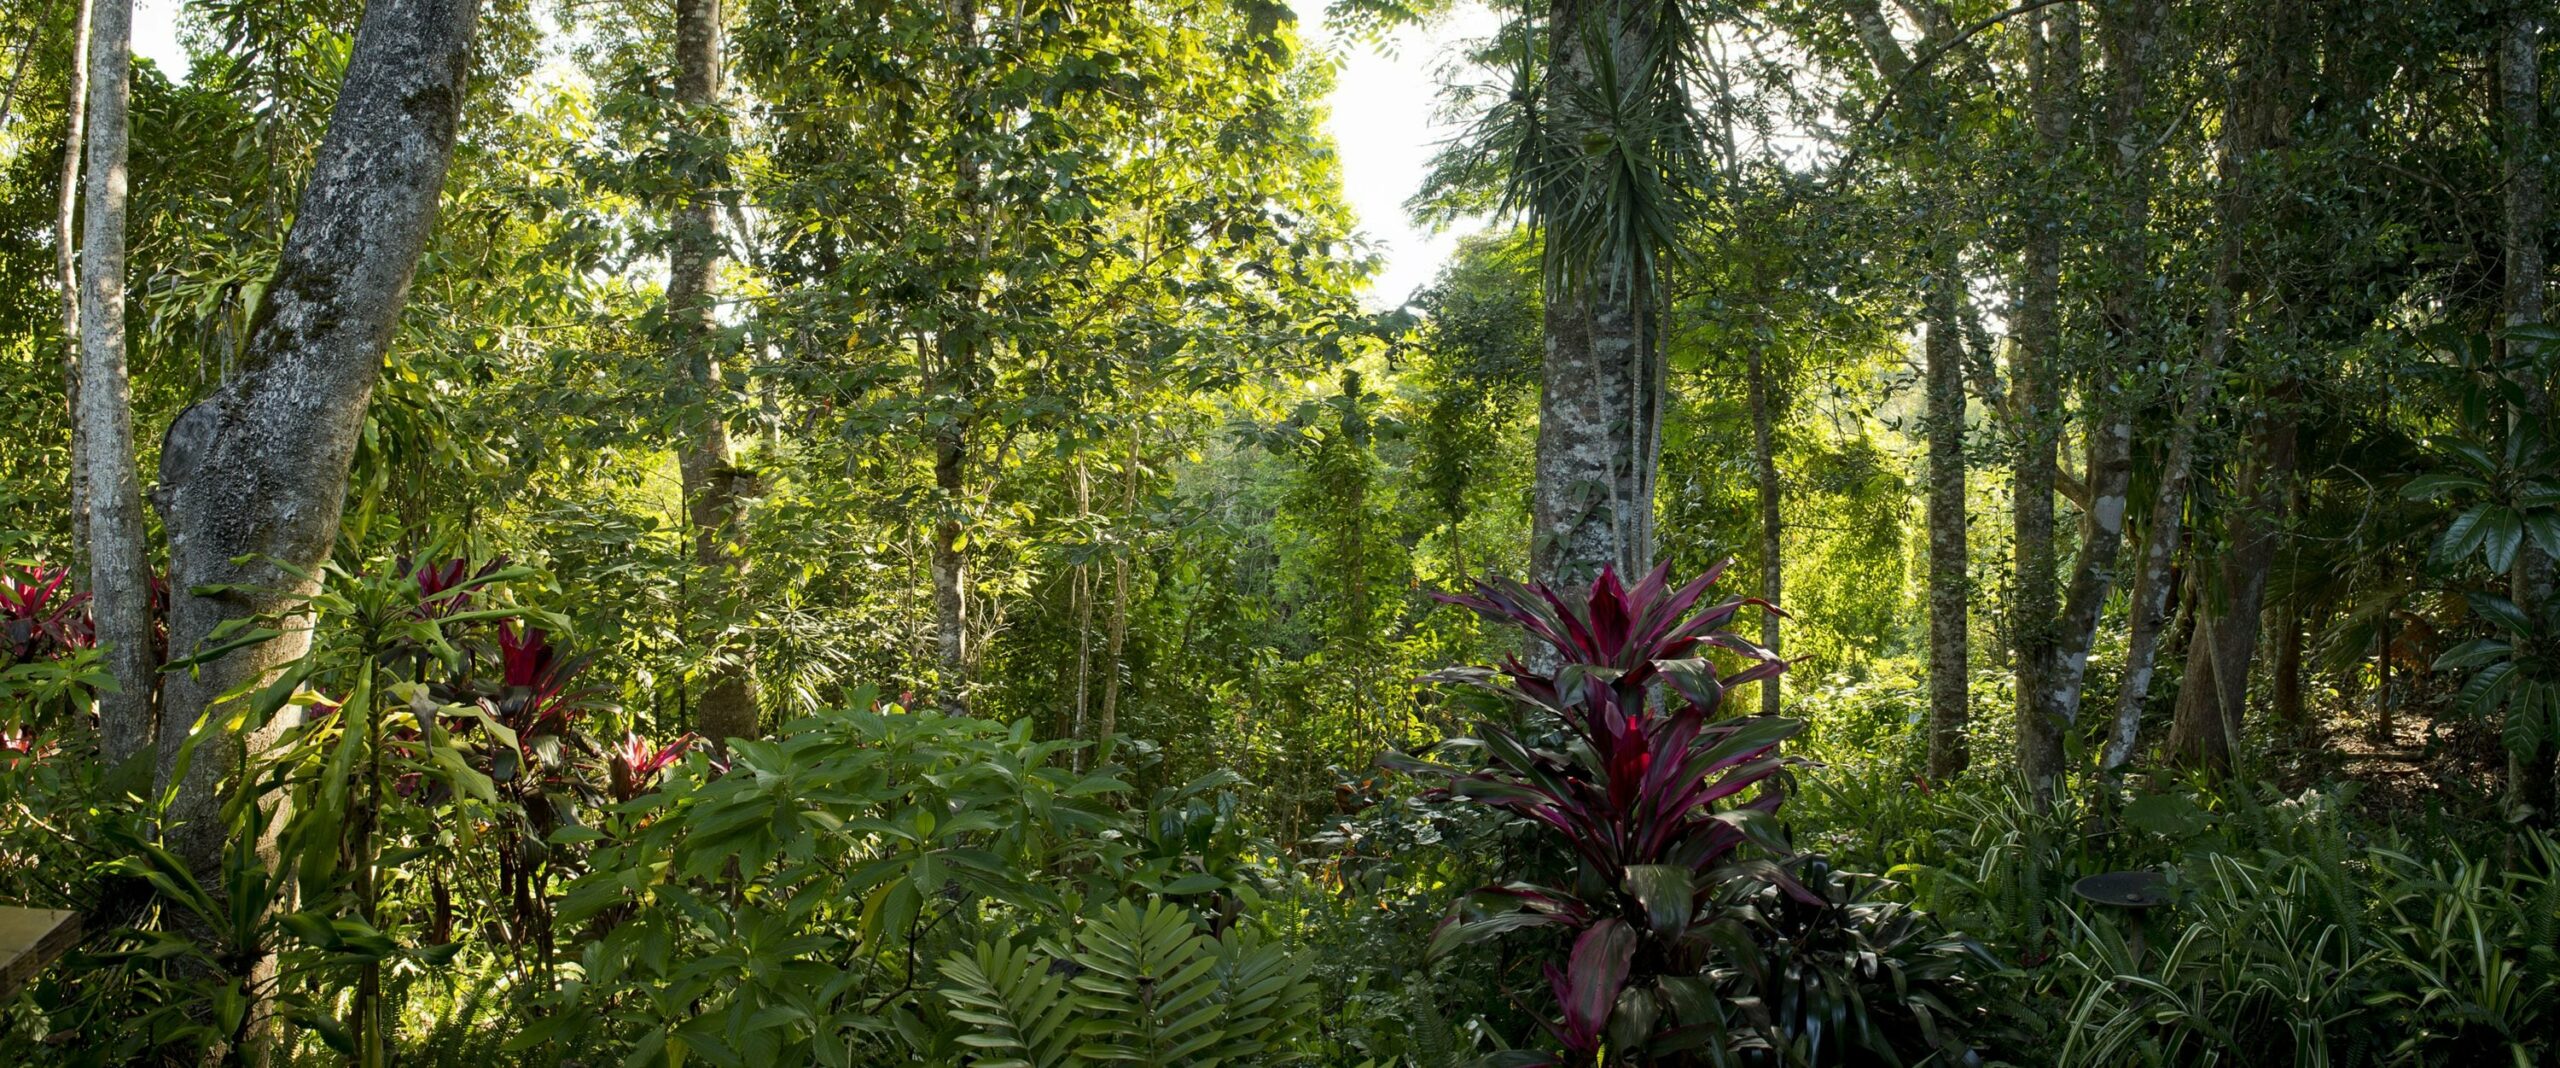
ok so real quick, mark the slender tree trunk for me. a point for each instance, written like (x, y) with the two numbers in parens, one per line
(2213, 696)
(714, 505)
(66, 266)
(2247, 126)
(119, 555)
(2287, 697)
(1764, 468)
(2054, 61)
(1117, 644)
(1950, 696)
(1080, 482)
(2292, 624)
(2530, 784)
(950, 558)
(2129, 35)
(1600, 398)
(959, 351)
(2152, 585)
(256, 472)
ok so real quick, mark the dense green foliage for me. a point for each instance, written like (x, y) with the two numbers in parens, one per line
(1093, 520)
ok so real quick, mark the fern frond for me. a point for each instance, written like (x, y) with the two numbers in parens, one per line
(1026, 1018)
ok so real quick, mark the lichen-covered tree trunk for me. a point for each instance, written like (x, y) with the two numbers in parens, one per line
(2530, 785)
(119, 554)
(1950, 658)
(713, 488)
(66, 266)
(2148, 613)
(958, 345)
(257, 470)
(2036, 409)
(1597, 449)
(2248, 125)
(2129, 36)
(2051, 689)
(1600, 396)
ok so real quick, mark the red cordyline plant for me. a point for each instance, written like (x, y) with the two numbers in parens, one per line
(448, 587)
(537, 704)
(1649, 786)
(38, 619)
(537, 701)
(636, 763)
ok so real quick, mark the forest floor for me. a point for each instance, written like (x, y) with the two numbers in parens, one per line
(2422, 764)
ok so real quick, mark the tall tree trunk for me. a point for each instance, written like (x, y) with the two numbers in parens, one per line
(1764, 469)
(1597, 444)
(957, 346)
(66, 266)
(2384, 731)
(2212, 703)
(1117, 643)
(119, 556)
(712, 482)
(2129, 34)
(1600, 397)
(2054, 64)
(1950, 694)
(2292, 623)
(2213, 695)
(950, 555)
(256, 472)
(1080, 596)
(2148, 613)
(2530, 785)
(2249, 123)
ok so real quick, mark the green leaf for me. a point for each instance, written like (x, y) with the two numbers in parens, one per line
(2500, 612)
(2437, 484)
(311, 928)
(2474, 653)
(2486, 691)
(2527, 723)
(2501, 531)
(2544, 525)
(2462, 536)
(1194, 883)
(1667, 892)
(575, 834)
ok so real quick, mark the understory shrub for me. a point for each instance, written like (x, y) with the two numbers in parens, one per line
(1685, 930)
(2289, 934)
(877, 885)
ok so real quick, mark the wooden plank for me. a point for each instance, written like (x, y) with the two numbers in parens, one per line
(30, 939)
